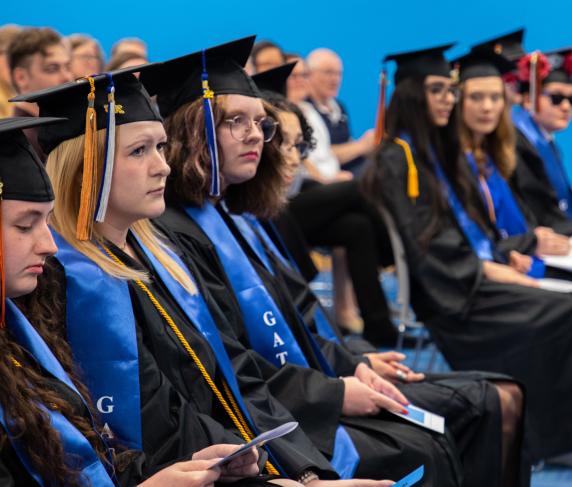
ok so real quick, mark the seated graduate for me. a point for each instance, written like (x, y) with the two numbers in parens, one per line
(142, 335)
(487, 140)
(472, 388)
(200, 226)
(482, 314)
(48, 425)
(540, 177)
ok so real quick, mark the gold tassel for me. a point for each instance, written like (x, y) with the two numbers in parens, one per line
(89, 178)
(412, 175)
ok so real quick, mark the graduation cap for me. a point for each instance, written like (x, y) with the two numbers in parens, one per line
(560, 65)
(218, 70)
(274, 79)
(508, 45)
(481, 62)
(424, 62)
(180, 80)
(102, 101)
(22, 174)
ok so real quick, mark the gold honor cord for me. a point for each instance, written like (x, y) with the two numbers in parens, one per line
(236, 415)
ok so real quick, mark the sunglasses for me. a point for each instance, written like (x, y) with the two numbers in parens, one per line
(557, 98)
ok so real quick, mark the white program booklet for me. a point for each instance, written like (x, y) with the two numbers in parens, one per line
(428, 420)
(557, 285)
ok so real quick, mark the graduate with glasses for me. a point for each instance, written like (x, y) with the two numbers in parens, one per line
(210, 181)
(482, 313)
(540, 177)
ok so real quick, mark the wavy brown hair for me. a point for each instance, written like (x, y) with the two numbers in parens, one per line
(23, 388)
(500, 144)
(190, 179)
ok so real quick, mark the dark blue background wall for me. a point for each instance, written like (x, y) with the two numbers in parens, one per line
(360, 31)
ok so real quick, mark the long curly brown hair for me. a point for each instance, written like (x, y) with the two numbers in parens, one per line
(23, 388)
(190, 179)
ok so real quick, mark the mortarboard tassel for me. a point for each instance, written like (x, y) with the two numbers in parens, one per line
(105, 187)
(2, 277)
(534, 83)
(208, 97)
(89, 178)
(412, 175)
(380, 119)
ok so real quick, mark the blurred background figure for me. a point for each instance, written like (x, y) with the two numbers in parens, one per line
(86, 55)
(265, 55)
(130, 44)
(7, 33)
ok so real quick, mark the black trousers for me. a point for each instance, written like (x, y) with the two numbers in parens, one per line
(337, 215)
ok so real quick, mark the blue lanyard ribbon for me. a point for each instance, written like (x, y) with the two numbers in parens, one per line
(74, 443)
(101, 331)
(509, 219)
(550, 157)
(253, 231)
(267, 329)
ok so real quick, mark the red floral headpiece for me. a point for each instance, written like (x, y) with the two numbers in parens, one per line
(542, 66)
(567, 64)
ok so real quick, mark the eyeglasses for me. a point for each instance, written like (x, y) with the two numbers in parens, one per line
(557, 98)
(302, 147)
(442, 90)
(240, 127)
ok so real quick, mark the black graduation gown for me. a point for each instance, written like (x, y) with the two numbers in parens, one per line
(388, 446)
(175, 426)
(295, 452)
(480, 324)
(531, 183)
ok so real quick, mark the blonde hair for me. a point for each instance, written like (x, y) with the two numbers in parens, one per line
(65, 167)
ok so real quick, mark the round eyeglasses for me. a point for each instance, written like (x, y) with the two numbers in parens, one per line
(240, 127)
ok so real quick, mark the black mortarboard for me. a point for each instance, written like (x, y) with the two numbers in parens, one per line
(70, 100)
(480, 63)
(180, 80)
(274, 79)
(22, 173)
(560, 66)
(424, 62)
(508, 45)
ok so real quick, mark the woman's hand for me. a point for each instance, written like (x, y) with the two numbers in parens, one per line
(361, 400)
(506, 275)
(388, 365)
(194, 473)
(520, 262)
(550, 242)
(243, 466)
(371, 379)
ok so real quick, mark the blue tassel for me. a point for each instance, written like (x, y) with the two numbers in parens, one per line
(210, 130)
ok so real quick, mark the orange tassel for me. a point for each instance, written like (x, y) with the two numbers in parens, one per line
(2, 277)
(89, 178)
(380, 119)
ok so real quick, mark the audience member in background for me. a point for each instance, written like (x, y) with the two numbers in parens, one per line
(86, 55)
(38, 58)
(265, 55)
(297, 88)
(7, 33)
(130, 44)
(325, 77)
(125, 60)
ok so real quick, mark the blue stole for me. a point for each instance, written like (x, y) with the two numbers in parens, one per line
(509, 219)
(118, 374)
(267, 329)
(253, 231)
(74, 443)
(477, 239)
(552, 161)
